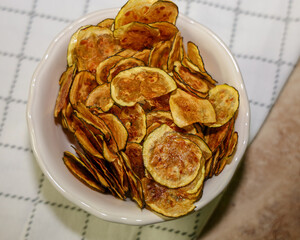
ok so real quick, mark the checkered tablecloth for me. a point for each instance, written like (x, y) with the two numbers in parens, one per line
(263, 36)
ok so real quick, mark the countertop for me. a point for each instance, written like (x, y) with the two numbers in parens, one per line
(263, 200)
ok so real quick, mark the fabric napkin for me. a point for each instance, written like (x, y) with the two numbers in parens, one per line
(263, 36)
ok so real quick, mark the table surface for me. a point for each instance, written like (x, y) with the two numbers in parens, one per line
(263, 201)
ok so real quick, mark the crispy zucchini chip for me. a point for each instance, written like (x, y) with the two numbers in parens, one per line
(100, 97)
(225, 100)
(170, 158)
(187, 109)
(83, 84)
(159, 55)
(166, 30)
(206, 152)
(134, 119)
(176, 53)
(143, 55)
(122, 65)
(132, 11)
(159, 117)
(137, 36)
(146, 11)
(66, 80)
(134, 151)
(166, 201)
(106, 23)
(118, 130)
(191, 79)
(197, 183)
(139, 83)
(159, 103)
(93, 45)
(81, 172)
(102, 71)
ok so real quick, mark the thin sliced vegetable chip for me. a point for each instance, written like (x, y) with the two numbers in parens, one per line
(225, 100)
(106, 23)
(100, 97)
(167, 30)
(159, 55)
(187, 109)
(176, 53)
(143, 55)
(137, 36)
(139, 83)
(83, 84)
(102, 71)
(170, 158)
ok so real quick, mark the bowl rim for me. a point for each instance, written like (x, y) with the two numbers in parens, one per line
(32, 133)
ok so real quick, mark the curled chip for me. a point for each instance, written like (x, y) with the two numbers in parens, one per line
(148, 121)
(139, 83)
(166, 201)
(187, 109)
(146, 11)
(170, 158)
(137, 36)
(90, 46)
(100, 97)
(225, 100)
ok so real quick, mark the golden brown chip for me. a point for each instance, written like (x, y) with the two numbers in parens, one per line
(100, 98)
(143, 55)
(134, 119)
(159, 55)
(106, 23)
(66, 80)
(139, 83)
(159, 103)
(137, 36)
(225, 100)
(187, 109)
(134, 151)
(79, 170)
(167, 30)
(176, 53)
(146, 11)
(170, 158)
(191, 79)
(83, 84)
(93, 45)
(166, 201)
(206, 152)
(102, 70)
(122, 65)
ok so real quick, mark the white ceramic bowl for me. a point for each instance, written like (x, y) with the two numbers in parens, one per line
(49, 141)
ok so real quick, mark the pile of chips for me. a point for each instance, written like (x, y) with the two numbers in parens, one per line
(149, 122)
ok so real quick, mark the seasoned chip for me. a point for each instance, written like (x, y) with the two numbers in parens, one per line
(106, 23)
(137, 36)
(225, 100)
(166, 201)
(93, 45)
(65, 84)
(139, 83)
(83, 84)
(100, 97)
(170, 158)
(146, 11)
(166, 30)
(102, 70)
(134, 119)
(159, 103)
(159, 55)
(122, 65)
(79, 170)
(176, 53)
(134, 151)
(143, 55)
(187, 109)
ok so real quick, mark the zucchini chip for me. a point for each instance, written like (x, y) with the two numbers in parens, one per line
(122, 65)
(187, 109)
(166, 201)
(83, 84)
(134, 119)
(93, 45)
(102, 71)
(159, 55)
(106, 23)
(225, 100)
(166, 30)
(170, 158)
(62, 99)
(176, 53)
(134, 151)
(100, 98)
(81, 172)
(143, 55)
(137, 36)
(136, 84)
